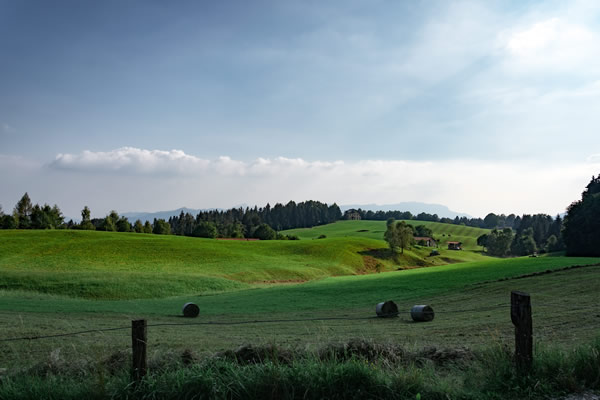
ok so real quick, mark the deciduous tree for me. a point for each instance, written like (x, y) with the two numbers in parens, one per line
(161, 227)
(86, 221)
(205, 229)
(498, 242)
(138, 227)
(264, 232)
(399, 234)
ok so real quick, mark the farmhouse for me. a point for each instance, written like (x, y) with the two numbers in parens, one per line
(425, 241)
(454, 245)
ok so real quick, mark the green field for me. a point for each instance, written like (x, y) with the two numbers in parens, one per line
(114, 265)
(126, 265)
(375, 230)
(63, 281)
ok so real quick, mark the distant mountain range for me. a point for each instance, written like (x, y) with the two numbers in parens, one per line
(414, 207)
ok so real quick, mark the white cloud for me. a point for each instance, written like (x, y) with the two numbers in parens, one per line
(132, 160)
(554, 45)
(473, 186)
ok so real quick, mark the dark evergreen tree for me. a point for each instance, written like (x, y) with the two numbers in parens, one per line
(581, 231)
(39, 218)
(22, 212)
(491, 221)
(8, 222)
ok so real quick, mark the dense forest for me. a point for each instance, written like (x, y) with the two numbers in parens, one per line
(260, 223)
(538, 233)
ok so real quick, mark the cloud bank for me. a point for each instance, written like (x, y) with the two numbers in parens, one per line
(472, 186)
(132, 160)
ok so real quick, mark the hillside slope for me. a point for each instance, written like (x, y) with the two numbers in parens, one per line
(128, 265)
(375, 230)
(111, 265)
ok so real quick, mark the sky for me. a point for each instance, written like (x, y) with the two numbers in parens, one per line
(482, 106)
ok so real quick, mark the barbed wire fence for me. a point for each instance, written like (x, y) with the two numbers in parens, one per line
(139, 328)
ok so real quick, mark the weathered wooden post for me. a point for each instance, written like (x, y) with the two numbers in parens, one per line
(520, 314)
(138, 344)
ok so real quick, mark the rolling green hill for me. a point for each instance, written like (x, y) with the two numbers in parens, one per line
(53, 282)
(118, 265)
(126, 265)
(375, 230)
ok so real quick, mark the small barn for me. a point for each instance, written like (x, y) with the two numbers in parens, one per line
(425, 241)
(454, 245)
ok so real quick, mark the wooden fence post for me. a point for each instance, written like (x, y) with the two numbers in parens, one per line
(138, 344)
(520, 314)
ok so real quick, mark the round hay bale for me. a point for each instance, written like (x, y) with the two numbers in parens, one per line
(422, 313)
(386, 309)
(190, 310)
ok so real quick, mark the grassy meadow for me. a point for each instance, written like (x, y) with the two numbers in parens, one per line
(106, 265)
(323, 291)
(375, 230)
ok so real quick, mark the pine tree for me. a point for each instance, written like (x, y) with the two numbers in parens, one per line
(22, 212)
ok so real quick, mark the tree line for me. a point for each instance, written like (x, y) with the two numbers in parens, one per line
(26, 215)
(490, 221)
(260, 223)
(539, 233)
(578, 233)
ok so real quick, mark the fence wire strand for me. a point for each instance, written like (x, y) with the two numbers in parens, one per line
(292, 320)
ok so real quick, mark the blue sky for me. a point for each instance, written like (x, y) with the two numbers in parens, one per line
(479, 105)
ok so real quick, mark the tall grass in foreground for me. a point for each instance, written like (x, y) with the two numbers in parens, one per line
(349, 372)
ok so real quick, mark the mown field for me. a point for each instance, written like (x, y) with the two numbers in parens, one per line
(300, 295)
(471, 300)
(375, 230)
